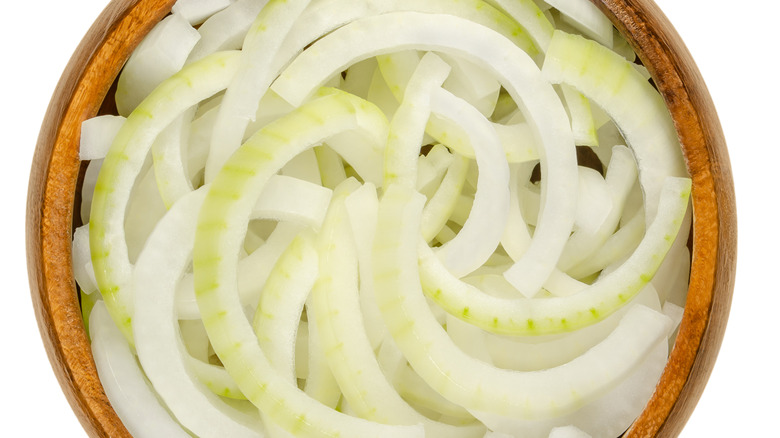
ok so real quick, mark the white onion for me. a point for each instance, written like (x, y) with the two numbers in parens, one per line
(367, 219)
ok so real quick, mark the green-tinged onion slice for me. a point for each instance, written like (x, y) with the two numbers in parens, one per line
(282, 300)
(251, 80)
(226, 29)
(157, 340)
(161, 54)
(620, 177)
(407, 127)
(124, 162)
(197, 11)
(346, 345)
(221, 225)
(586, 17)
(558, 315)
(475, 384)
(482, 231)
(383, 218)
(636, 107)
(514, 69)
(168, 154)
(124, 382)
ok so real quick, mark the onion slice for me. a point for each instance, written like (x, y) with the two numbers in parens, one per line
(125, 161)
(521, 317)
(472, 383)
(221, 225)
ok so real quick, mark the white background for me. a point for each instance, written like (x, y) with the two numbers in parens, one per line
(736, 50)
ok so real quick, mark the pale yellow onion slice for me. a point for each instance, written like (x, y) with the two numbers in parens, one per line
(636, 107)
(226, 29)
(156, 332)
(469, 382)
(407, 127)
(122, 379)
(222, 223)
(562, 314)
(125, 161)
(161, 54)
(482, 231)
(251, 80)
(347, 347)
(515, 70)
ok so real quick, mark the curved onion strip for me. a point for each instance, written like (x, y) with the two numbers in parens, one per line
(156, 331)
(516, 238)
(560, 284)
(413, 388)
(586, 17)
(88, 188)
(162, 53)
(362, 208)
(530, 17)
(144, 209)
(252, 79)
(636, 107)
(324, 16)
(303, 167)
(541, 352)
(441, 205)
(124, 162)
(124, 382)
(168, 155)
(347, 347)
(620, 178)
(475, 84)
(582, 124)
(515, 70)
(321, 384)
(614, 249)
(290, 199)
(607, 416)
(482, 231)
(431, 169)
(365, 161)
(221, 225)
(97, 134)
(82, 264)
(282, 300)
(472, 383)
(594, 202)
(197, 11)
(277, 317)
(216, 379)
(407, 127)
(561, 314)
(330, 165)
(226, 29)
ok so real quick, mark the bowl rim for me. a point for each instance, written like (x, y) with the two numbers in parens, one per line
(100, 56)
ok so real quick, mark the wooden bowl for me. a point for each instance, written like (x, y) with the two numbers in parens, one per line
(98, 60)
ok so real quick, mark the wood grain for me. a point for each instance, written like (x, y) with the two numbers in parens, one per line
(50, 201)
(98, 60)
(713, 265)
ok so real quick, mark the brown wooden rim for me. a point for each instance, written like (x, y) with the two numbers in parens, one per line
(52, 187)
(119, 29)
(713, 265)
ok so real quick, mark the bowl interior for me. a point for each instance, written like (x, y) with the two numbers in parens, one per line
(82, 93)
